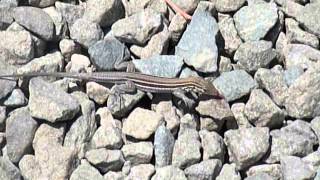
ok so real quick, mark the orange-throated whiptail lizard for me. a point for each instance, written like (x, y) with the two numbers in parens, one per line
(146, 83)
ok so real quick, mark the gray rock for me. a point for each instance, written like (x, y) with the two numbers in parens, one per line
(315, 125)
(261, 176)
(141, 123)
(188, 7)
(304, 95)
(169, 172)
(160, 65)
(104, 13)
(141, 172)
(59, 22)
(239, 115)
(186, 149)
(225, 64)
(290, 8)
(261, 110)
(296, 35)
(296, 139)
(107, 54)
(15, 99)
(292, 74)
(105, 160)
(213, 145)
(308, 16)
(254, 55)
(106, 119)
(137, 28)
(205, 170)
(85, 32)
(228, 6)
(82, 129)
(157, 45)
(48, 135)
(2, 118)
(247, 146)
(229, 33)
(313, 160)
(85, 172)
(8, 170)
(235, 84)
(274, 83)
(79, 63)
(68, 47)
(215, 108)
(254, 22)
(188, 126)
(176, 27)
(229, 172)
(36, 21)
(109, 137)
(163, 146)
(69, 11)
(51, 62)
(169, 113)
(41, 3)
(16, 47)
(29, 167)
(290, 165)
(273, 170)
(20, 130)
(135, 6)
(138, 153)
(97, 92)
(50, 103)
(301, 55)
(197, 45)
(126, 104)
(5, 20)
(111, 175)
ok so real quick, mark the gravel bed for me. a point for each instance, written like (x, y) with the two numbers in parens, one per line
(262, 56)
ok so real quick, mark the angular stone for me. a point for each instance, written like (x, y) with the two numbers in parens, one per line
(296, 139)
(8, 170)
(141, 123)
(41, 3)
(212, 144)
(186, 149)
(82, 129)
(70, 12)
(141, 172)
(235, 84)
(36, 21)
(68, 47)
(228, 6)
(138, 153)
(254, 55)
(189, 6)
(60, 24)
(215, 108)
(20, 130)
(29, 167)
(296, 35)
(15, 99)
(5, 20)
(292, 74)
(229, 33)
(247, 146)
(304, 95)
(273, 170)
(274, 83)
(108, 54)
(261, 110)
(169, 113)
(224, 65)
(239, 115)
(79, 63)
(290, 165)
(50, 103)
(160, 65)
(97, 92)
(308, 18)
(253, 22)
(197, 45)
(229, 172)
(104, 13)
(300, 55)
(169, 172)
(138, 28)
(163, 146)
(108, 137)
(263, 176)
(105, 160)
(111, 175)
(176, 28)
(85, 32)
(86, 171)
(205, 170)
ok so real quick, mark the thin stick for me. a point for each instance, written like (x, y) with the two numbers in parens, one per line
(178, 10)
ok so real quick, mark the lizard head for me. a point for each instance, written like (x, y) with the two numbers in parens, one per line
(207, 88)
